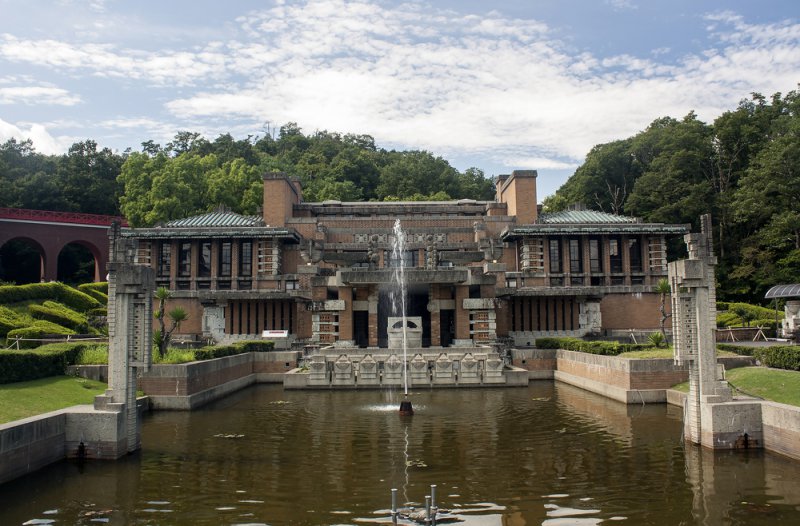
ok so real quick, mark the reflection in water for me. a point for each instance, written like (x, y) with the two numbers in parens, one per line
(546, 454)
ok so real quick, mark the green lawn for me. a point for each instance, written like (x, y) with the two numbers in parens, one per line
(777, 385)
(24, 399)
(665, 352)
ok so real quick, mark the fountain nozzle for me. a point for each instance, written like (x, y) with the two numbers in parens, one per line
(405, 407)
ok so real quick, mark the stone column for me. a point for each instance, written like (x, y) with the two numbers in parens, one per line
(372, 314)
(346, 316)
(462, 316)
(130, 335)
(436, 319)
(694, 315)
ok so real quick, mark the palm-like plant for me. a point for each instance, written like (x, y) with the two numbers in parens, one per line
(663, 288)
(177, 315)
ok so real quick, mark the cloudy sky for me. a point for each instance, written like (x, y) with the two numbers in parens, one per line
(498, 85)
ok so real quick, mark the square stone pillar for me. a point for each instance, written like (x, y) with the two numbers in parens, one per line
(462, 316)
(346, 315)
(436, 319)
(372, 315)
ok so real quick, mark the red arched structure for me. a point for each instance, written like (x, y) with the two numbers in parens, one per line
(50, 232)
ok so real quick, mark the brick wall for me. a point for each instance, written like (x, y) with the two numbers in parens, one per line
(626, 311)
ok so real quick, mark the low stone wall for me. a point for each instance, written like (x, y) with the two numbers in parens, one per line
(781, 428)
(191, 385)
(29, 444)
(540, 363)
(32, 443)
(629, 381)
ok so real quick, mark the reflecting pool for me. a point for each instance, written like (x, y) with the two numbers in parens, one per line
(546, 454)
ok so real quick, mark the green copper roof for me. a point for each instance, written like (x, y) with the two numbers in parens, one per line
(216, 219)
(589, 222)
(583, 217)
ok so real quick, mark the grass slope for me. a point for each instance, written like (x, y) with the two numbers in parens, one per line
(777, 385)
(24, 399)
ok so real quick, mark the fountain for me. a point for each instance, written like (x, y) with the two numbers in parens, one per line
(398, 299)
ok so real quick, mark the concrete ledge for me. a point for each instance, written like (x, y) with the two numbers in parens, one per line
(195, 400)
(677, 398)
(781, 428)
(31, 443)
(626, 396)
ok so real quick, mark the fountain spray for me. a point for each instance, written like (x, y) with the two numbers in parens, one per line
(398, 253)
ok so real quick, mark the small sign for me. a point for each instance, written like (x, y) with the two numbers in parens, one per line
(274, 334)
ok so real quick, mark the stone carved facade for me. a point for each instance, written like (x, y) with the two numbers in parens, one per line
(568, 273)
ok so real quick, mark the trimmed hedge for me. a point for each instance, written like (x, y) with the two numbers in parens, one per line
(9, 320)
(48, 360)
(99, 286)
(730, 315)
(39, 329)
(742, 350)
(783, 357)
(208, 353)
(61, 315)
(48, 291)
(592, 347)
(96, 294)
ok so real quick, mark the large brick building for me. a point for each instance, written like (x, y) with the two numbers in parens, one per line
(476, 270)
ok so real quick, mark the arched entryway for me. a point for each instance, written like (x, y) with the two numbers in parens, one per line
(77, 263)
(22, 260)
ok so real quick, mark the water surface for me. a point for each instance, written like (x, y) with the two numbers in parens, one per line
(546, 454)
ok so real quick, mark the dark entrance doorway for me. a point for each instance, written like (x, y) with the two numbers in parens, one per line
(448, 327)
(361, 328)
(416, 305)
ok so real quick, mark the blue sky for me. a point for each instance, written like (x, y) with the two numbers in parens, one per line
(498, 85)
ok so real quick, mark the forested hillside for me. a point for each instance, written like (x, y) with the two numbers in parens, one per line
(744, 169)
(192, 174)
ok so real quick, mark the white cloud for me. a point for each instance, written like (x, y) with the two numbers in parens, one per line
(105, 60)
(473, 83)
(37, 95)
(421, 77)
(43, 141)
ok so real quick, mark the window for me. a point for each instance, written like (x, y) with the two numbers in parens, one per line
(555, 255)
(246, 258)
(407, 258)
(165, 259)
(225, 259)
(511, 283)
(575, 256)
(635, 254)
(292, 284)
(615, 254)
(204, 260)
(185, 259)
(595, 256)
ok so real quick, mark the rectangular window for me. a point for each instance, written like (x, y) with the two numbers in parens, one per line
(595, 256)
(408, 258)
(246, 258)
(225, 259)
(575, 256)
(555, 255)
(165, 259)
(292, 284)
(204, 260)
(615, 254)
(635, 255)
(185, 259)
